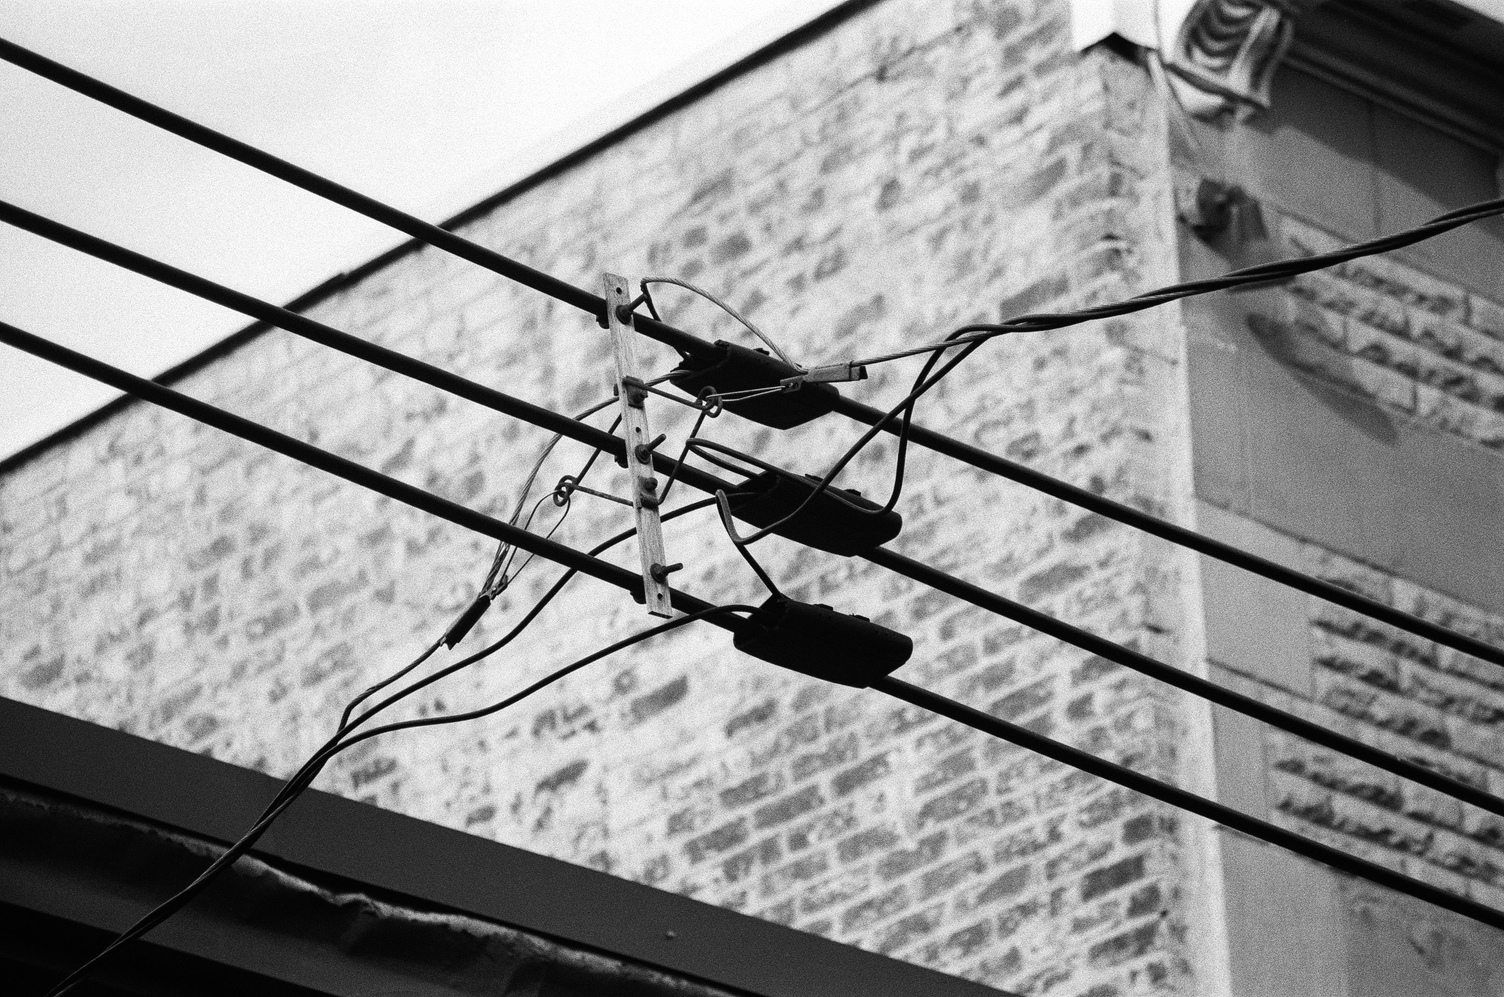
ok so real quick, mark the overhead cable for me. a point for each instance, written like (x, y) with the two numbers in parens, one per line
(689, 345)
(1137, 661)
(226, 858)
(1181, 799)
(1261, 273)
(444, 509)
(419, 229)
(438, 377)
(323, 460)
(605, 441)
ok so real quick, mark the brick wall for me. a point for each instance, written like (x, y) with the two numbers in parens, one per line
(1349, 425)
(1415, 344)
(918, 167)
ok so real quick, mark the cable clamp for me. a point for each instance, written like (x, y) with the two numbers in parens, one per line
(819, 641)
(827, 374)
(838, 520)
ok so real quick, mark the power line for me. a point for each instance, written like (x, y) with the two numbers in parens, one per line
(622, 578)
(689, 345)
(339, 194)
(508, 405)
(181, 899)
(1182, 799)
(1143, 664)
(603, 440)
(313, 456)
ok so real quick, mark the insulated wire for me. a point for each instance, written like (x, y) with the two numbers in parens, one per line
(357, 474)
(1145, 665)
(506, 404)
(688, 345)
(531, 615)
(1183, 799)
(433, 235)
(167, 398)
(173, 904)
(1262, 273)
(723, 306)
(323, 460)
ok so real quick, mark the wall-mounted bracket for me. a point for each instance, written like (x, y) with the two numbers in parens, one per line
(634, 423)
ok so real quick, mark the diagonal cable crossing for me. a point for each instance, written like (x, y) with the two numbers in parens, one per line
(622, 578)
(689, 345)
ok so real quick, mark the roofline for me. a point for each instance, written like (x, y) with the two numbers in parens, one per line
(446, 868)
(582, 150)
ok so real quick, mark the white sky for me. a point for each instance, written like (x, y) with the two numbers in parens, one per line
(415, 102)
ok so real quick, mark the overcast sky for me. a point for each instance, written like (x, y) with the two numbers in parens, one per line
(421, 103)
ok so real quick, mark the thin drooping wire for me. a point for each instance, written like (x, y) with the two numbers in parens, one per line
(683, 454)
(687, 345)
(497, 578)
(527, 619)
(567, 503)
(305, 453)
(166, 397)
(506, 404)
(170, 906)
(723, 306)
(1260, 274)
(724, 506)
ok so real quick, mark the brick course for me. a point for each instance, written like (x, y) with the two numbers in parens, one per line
(918, 167)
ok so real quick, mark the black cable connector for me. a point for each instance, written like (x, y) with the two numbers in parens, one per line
(838, 520)
(737, 368)
(816, 640)
(467, 620)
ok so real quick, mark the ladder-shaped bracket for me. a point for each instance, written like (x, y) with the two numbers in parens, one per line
(634, 423)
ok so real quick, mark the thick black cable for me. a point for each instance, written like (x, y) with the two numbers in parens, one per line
(301, 325)
(878, 421)
(1194, 684)
(623, 578)
(179, 900)
(1179, 535)
(1184, 800)
(170, 399)
(1158, 670)
(323, 460)
(413, 226)
(692, 346)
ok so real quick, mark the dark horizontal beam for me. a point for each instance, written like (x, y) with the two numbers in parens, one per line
(439, 866)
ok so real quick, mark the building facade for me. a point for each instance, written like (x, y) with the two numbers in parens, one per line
(905, 169)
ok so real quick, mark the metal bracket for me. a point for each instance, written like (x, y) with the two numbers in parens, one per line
(634, 423)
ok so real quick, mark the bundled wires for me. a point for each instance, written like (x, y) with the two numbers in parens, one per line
(941, 358)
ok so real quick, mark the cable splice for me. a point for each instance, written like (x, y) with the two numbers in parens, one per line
(442, 508)
(736, 368)
(837, 520)
(816, 640)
